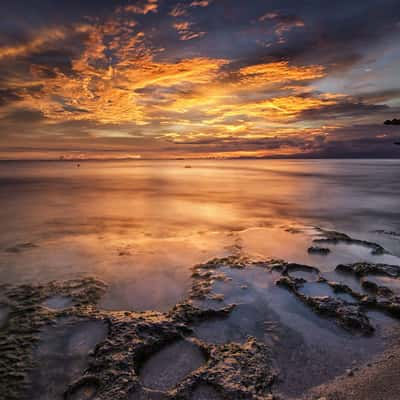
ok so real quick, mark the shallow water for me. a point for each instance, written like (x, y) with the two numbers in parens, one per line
(323, 289)
(205, 392)
(4, 313)
(58, 302)
(61, 357)
(308, 349)
(140, 225)
(168, 367)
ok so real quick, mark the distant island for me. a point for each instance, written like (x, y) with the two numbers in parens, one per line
(393, 121)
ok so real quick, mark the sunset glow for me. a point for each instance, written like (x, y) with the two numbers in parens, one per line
(158, 79)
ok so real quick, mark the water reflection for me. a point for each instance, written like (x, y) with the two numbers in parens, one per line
(141, 225)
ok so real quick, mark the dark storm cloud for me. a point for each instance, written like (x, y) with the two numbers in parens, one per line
(8, 96)
(394, 121)
(344, 108)
(23, 116)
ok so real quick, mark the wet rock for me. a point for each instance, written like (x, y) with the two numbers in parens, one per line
(241, 371)
(383, 285)
(362, 269)
(299, 273)
(381, 281)
(165, 369)
(217, 297)
(319, 250)
(333, 237)
(187, 312)
(348, 316)
(372, 287)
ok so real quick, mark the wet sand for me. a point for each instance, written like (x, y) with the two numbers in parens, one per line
(377, 380)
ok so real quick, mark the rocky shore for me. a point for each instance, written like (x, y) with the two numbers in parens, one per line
(153, 355)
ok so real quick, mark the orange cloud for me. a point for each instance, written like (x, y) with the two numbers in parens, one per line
(200, 3)
(142, 7)
(279, 72)
(185, 32)
(119, 79)
(182, 9)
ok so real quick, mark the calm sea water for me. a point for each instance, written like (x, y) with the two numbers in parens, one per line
(141, 225)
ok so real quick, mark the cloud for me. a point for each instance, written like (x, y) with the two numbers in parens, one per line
(182, 9)
(131, 78)
(200, 3)
(185, 32)
(141, 7)
(8, 96)
(283, 23)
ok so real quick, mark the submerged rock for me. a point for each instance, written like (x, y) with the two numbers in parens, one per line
(318, 250)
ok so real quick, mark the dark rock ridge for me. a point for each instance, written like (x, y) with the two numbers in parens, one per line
(393, 121)
(318, 250)
(349, 316)
(386, 232)
(333, 237)
(381, 297)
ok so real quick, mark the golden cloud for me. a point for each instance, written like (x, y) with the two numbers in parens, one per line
(185, 32)
(118, 79)
(141, 7)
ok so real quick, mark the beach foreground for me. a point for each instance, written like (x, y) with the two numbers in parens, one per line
(182, 294)
(378, 380)
(246, 330)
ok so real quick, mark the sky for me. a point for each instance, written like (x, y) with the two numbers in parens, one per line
(199, 79)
